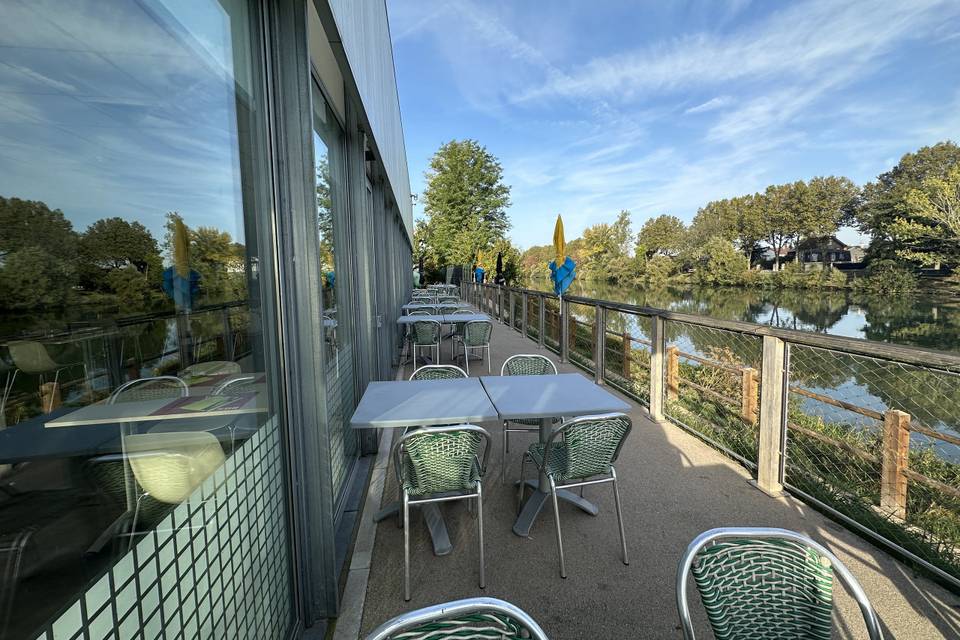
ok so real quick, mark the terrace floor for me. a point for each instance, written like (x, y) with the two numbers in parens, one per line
(673, 486)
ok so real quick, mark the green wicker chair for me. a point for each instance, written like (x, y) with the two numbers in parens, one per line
(523, 365)
(449, 300)
(470, 618)
(426, 333)
(476, 335)
(581, 452)
(759, 583)
(438, 372)
(440, 464)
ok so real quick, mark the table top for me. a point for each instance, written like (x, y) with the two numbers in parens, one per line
(448, 318)
(420, 305)
(153, 410)
(423, 402)
(549, 396)
(458, 318)
(436, 317)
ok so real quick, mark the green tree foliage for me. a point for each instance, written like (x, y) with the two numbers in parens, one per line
(465, 202)
(30, 278)
(721, 264)
(216, 257)
(886, 276)
(605, 253)
(894, 209)
(512, 269)
(38, 251)
(112, 244)
(783, 214)
(737, 220)
(32, 224)
(664, 235)
(657, 271)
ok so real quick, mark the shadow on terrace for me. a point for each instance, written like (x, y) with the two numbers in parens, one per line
(674, 486)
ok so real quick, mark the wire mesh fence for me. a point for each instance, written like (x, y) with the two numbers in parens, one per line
(551, 337)
(712, 385)
(533, 317)
(581, 338)
(879, 442)
(627, 354)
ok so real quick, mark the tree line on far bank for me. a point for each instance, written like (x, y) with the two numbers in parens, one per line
(45, 263)
(911, 213)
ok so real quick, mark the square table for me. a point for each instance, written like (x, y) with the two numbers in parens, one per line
(547, 397)
(414, 403)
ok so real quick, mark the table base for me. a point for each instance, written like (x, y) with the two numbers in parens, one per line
(536, 501)
(434, 521)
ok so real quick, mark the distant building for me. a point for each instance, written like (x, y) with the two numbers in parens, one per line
(829, 250)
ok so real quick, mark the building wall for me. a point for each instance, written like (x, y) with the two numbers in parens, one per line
(365, 37)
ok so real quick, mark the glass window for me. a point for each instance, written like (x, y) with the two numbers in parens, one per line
(136, 331)
(336, 276)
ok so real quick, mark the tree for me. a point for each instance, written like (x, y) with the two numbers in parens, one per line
(899, 224)
(465, 202)
(934, 218)
(111, 244)
(721, 264)
(32, 224)
(783, 209)
(31, 278)
(606, 248)
(831, 202)
(664, 235)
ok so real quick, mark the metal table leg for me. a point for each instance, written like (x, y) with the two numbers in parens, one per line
(434, 521)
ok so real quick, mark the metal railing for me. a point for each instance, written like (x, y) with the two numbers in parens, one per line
(867, 431)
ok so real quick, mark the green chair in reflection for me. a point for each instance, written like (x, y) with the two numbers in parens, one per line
(170, 466)
(523, 364)
(32, 358)
(154, 388)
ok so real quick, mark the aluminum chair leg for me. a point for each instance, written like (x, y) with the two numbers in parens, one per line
(483, 568)
(506, 450)
(136, 516)
(616, 496)
(488, 360)
(556, 521)
(406, 547)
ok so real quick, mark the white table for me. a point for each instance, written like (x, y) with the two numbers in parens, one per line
(146, 411)
(409, 403)
(544, 398)
(413, 306)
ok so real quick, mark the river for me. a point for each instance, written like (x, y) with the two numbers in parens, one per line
(929, 318)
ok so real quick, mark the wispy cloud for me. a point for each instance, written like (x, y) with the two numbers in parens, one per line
(710, 105)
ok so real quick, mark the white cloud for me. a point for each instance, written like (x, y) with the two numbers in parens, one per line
(710, 105)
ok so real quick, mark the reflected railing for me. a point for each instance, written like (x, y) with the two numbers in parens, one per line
(867, 431)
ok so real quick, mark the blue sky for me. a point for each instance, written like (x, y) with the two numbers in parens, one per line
(660, 107)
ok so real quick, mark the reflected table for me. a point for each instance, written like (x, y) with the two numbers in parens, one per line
(416, 403)
(545, 398)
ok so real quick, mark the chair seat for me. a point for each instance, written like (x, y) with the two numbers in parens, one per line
(535, 422)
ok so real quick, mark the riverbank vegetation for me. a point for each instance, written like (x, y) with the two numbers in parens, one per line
(911, 213)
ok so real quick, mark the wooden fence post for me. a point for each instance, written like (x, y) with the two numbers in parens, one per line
(658, 340)
(896, 451)
(673, 373)
(772, 394)
(627, 352)
(748, 401)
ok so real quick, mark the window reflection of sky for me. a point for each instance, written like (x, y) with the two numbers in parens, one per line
(123, 112)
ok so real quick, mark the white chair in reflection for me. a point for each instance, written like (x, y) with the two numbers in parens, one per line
(32, 358)
(169, 467)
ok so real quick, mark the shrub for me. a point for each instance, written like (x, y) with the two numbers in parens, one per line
(721, 264)
(658, 270)
(888, 276)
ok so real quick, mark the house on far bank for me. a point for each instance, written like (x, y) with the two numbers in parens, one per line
(828, 250)
(816, 252)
